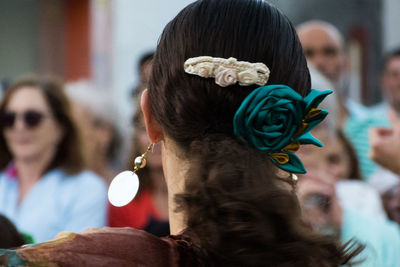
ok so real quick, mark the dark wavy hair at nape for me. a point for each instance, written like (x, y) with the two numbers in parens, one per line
(238, 210)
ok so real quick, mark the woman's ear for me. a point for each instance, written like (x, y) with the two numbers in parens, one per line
(153, 128)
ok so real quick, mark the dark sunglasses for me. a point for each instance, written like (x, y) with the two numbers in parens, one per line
(31, 118)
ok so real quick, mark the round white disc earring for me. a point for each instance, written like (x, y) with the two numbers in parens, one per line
(125, 185)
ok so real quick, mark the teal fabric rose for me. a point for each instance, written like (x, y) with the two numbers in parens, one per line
(276, 119)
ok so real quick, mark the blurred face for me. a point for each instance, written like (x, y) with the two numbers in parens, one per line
(145, 72)
(324, 50)
(391, 82)
(320, 206)
(29, 127)
(337, 159)
(332, 158)
(96, 133)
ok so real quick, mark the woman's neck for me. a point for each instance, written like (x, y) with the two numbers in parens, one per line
(30, 170)
(159, 192)
(175, 171)
(103, 168)
(158, 182)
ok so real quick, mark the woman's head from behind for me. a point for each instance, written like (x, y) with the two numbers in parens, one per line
(222, 199)
(36, 122)
(189, 108)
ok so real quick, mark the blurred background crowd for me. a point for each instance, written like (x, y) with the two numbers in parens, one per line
(64, 138)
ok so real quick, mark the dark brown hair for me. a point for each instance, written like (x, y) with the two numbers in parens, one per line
(238, 209)
(355, 172)
(69, 155)
(9, 235)
(395, 53)
(144, 60)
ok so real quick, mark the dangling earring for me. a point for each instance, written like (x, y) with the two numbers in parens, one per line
(125, 185)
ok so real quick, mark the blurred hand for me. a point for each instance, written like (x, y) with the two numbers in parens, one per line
(385, 144)
(62, 235)
(68, 235)
(320, 206)
(391, 202)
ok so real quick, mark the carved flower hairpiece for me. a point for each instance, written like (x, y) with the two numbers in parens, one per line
(228, 71)
(276, 119)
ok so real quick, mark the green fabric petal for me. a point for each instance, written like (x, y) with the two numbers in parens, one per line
(315, 97)
(294, 165)
(284, 91)
(316, 120)
(270, 116)
(308, 139)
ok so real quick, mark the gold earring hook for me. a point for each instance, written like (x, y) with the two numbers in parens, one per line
(140, 162)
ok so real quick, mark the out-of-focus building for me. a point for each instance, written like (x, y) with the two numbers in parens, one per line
(46, 37)
(101, 40)
(94, 40)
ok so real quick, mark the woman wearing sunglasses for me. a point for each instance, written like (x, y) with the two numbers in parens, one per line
(43, 187)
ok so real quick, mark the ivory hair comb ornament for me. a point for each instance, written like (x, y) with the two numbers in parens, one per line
(228, 71)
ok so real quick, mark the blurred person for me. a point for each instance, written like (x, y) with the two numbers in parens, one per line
(9, 235)
(388, 185)
(144, 67)
(322, 208)
(384, 180)
(149, 209)
(339, 156)
(324, 48)
(318, 80)
(3, 85)
(228, 205)
(97, 119)
(319, 201)
(339, 163)
(43, 186)
(342, 158)
(391, 202)
(385, 145)
(390, 84)
(336, 201)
